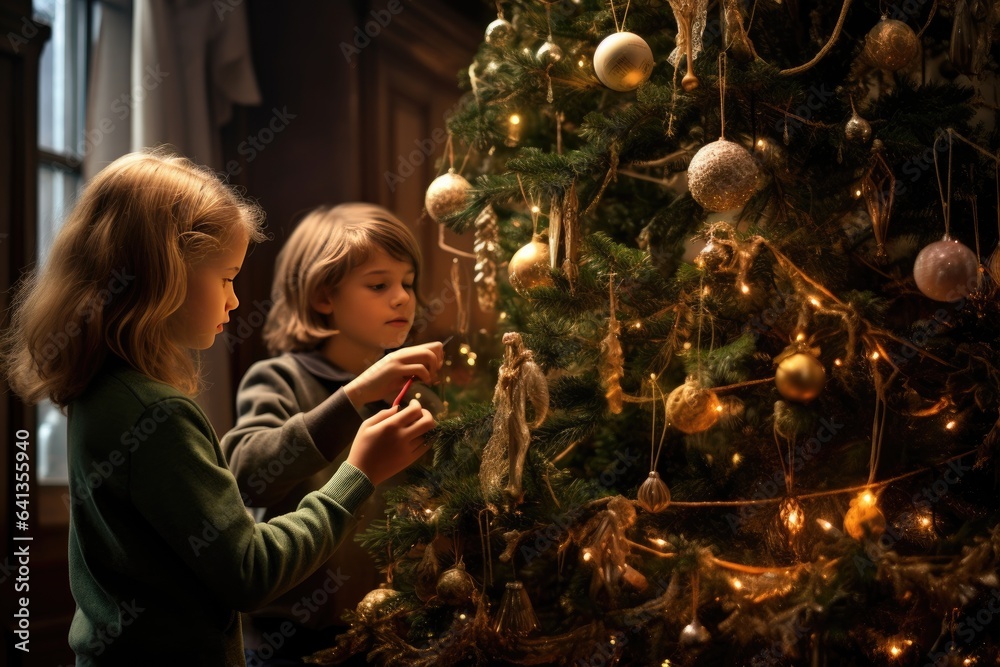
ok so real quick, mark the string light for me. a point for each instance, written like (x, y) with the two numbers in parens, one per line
(875, 356)
(824, 524)
(737, 584)
(799, 337)
(464, 349)
(737, 458)
(814, 301)
(744, 288)
(535, 209)
(637, 325)
(503, 316)
(687, 345)
(837, 362)
(950, 425)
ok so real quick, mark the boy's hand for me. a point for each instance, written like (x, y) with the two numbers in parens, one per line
(386, 377)
(390, 440)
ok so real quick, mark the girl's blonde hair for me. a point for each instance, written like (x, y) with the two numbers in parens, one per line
(116, 271)
(325, 247)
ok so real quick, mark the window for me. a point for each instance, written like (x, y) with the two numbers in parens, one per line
(61, 105)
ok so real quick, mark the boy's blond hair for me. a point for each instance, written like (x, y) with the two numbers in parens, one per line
(325, 247)
(116, 271)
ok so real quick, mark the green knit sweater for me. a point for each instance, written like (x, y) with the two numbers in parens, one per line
(162, 552)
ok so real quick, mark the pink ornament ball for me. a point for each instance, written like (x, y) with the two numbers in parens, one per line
(946, 270)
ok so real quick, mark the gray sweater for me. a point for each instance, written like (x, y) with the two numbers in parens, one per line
(294, 427)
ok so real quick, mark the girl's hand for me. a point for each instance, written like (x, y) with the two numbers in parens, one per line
(390, 440)
(386, 377)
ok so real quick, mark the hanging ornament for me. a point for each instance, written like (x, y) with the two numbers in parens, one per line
(529, 267)
(622, 61)
(555, 231)
(690, 16)
(604, 547)
(487, 248)
(549, 53)
(694, 634)
(970, 36)
(425, 584)
(520, 380)
(692, 409)
(516, 617)
(800, 375)
(654, 494)
(455, 586)
(446, 195)
(857, 128)
(499, 33)
(891, 45)
(735, 38)
(571, 235)
(993, 266)
(370, 609)
(864, 519)
(722, 176)
(792, 516)
(946, 270)
(878, 187)
(612, 360)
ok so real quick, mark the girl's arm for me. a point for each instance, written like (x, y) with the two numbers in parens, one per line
(274, 444)
(180, 484)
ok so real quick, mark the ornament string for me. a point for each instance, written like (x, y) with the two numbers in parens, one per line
(486, 546)
(614, 16)
(722, 94)
(820, 494)
(462, 314)
(663, 433)
(532, 207)
(499, 10)
(945, 200)
(826, 47)
(930, 16)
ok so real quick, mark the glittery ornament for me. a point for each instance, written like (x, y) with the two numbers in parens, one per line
(369, 610)
(549, 53)
(455, 586)
(653, 495)
(692, 409)
(891, 45)
(612, 361)
(722, 176)
(499, 33)
(446, 195)
(622, 61)
(792, 516)
(970, 36)
(993, 266)
(857, 129)
(864, 518)
(529, 267)
(487, 249)
(946, 270)
(800, 377)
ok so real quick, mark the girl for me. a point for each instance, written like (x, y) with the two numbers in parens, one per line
(344, 292)
(161, 550)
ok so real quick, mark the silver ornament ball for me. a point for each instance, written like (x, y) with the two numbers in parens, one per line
(499, 33)
(622, 61)
(946, 270)
(549, 53)
(722, 176)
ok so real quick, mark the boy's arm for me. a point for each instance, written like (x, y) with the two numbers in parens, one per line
(274, 445)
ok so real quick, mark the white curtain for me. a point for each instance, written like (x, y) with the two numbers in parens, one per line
(170, 71)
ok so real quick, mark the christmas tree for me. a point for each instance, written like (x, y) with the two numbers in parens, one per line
(747, 386)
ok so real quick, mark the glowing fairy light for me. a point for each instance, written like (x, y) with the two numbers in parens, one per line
(824, 524)
(535, 209)
(875, 356)
(503, 316)
(745, 288)
(837, 362)
(464, 349)
(814, 301)
(761, 143)
(868, 498)
(516, 120)
(737, 458)
(799, 337)
(737, 584)
(687, 345)
(950, 425)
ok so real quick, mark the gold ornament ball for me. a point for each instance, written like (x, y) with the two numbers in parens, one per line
(722, 176)
(800, 377)
(499, 33)
(369, 608)
(693, 409)
(654, 494)
(529, 267)
(622, 61)
(946, 270)
(864, 518)
(690, 82)
(446, 195)
(455, 586)
(891, 45)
